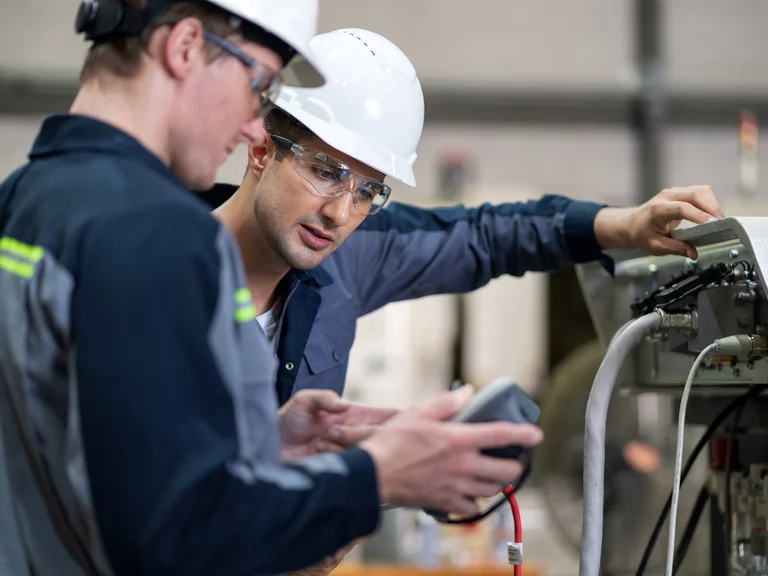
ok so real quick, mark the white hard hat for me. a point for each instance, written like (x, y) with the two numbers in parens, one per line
(292, 21)
(371, 106)
(286, 26)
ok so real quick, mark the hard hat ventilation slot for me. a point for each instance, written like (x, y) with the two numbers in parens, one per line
(361, 40)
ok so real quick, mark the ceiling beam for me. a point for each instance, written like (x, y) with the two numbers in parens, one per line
(476, 106)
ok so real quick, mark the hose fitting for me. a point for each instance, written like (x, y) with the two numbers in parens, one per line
(742, 346)
(678, 323)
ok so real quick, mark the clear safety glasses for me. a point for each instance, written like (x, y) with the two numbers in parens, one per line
(266, 82)
(331, 178)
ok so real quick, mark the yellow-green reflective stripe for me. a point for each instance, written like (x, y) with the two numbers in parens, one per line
(21, 250)
(16, 267)
(243, 296)
(245, 313)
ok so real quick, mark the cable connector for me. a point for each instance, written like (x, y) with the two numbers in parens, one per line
(742, 346)
(678, 323)
(515, 553)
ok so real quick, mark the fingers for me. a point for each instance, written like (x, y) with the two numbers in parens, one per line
(700, 196)
(380, 415)
(350, 435)
(679, 210)
(362, 414)
(444, 405)
(321, 446)
(499, 471)
(496, 435)
(357, 414)
(317, 400)
(661, 245)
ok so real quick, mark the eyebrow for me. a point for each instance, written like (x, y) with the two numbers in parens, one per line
(330, 156)
(346, 165)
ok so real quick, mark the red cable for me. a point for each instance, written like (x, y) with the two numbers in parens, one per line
(518, 524)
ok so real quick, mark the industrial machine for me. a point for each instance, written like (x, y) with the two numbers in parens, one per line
(696, 334)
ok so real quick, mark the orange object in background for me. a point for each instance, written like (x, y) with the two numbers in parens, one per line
(641, 457)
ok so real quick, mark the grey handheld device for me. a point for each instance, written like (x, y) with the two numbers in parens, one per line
(500, 401)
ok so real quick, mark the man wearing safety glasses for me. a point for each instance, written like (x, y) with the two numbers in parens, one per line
(319, 177)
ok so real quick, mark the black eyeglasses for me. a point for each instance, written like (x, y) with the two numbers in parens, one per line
(266, 81)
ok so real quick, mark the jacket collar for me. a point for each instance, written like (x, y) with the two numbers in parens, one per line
(65, 133)
(319, 276)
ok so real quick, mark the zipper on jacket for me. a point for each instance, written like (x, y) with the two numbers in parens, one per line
(294, 287)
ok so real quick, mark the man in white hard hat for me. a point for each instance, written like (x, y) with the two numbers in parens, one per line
(320, 252)
(140, 431)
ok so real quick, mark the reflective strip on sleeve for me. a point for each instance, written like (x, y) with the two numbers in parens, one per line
(244, 309)
(19, 258)
(243, 296)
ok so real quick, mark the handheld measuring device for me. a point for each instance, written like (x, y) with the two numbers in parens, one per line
(503, 400)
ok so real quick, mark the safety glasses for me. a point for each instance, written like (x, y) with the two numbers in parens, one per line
(266, 82)
(330, 178)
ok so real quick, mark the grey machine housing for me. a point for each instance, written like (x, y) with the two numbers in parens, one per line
(722, 293)
(733, 254)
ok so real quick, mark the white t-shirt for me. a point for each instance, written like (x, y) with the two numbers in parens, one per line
(268, 322)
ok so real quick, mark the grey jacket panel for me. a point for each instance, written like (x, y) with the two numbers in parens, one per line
(34, 311)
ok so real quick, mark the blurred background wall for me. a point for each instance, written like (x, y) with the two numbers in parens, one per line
(606, 100)
(566, 56)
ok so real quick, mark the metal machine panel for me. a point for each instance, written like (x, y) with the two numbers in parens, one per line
(723, 292)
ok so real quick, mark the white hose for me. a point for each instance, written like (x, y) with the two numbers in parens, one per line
(619, 331)
(679, 457)
(626, 339)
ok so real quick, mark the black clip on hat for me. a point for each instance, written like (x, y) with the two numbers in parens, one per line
(101, 21)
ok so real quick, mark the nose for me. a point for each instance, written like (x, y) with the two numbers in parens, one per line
(336, 209)
(252, 132)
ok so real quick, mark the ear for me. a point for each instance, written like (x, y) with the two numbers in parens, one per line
(183, 50)
(258, 155)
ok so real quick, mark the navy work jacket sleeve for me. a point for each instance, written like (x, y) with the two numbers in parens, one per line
(179, 430)
(406, 252)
